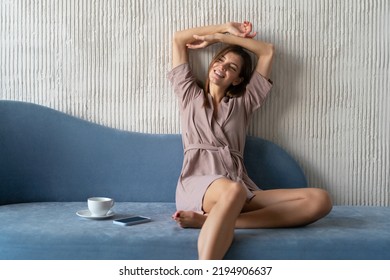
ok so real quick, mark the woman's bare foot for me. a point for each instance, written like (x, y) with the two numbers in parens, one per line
(189, 219)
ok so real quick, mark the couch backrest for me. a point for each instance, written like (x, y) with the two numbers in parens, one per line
(46, 155)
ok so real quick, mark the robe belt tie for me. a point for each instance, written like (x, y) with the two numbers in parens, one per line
(226, 157)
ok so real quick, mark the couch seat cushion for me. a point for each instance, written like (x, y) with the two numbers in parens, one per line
(52, 230)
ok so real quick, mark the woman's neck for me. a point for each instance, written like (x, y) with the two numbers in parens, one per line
(217, 93)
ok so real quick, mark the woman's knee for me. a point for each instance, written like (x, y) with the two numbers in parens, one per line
(234, 192)
(320, 202)
(223, 191)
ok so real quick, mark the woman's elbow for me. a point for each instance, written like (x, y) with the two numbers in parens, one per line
(270, 50)
(179, 38)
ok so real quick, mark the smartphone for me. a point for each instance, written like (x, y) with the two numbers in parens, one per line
(132, 220)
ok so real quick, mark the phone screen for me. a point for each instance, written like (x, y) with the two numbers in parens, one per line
(132, 219)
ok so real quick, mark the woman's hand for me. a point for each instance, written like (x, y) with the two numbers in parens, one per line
(201, 42)
(241, 29)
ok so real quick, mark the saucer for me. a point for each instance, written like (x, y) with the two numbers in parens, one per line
(87, 214)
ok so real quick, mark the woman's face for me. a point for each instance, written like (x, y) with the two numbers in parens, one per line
(226, 70)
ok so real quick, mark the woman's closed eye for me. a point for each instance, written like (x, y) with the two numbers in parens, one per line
(233, 67)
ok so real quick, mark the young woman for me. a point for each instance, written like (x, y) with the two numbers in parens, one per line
(214, 192)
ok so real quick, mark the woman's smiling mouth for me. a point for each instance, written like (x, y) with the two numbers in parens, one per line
(219, 73)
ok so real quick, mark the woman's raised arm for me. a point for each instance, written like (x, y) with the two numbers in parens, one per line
(264, 51)
(185, 39)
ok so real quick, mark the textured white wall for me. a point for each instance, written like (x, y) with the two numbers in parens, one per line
(106, 61)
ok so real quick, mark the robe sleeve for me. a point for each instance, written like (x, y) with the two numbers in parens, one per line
(184, 84)
(257, 91)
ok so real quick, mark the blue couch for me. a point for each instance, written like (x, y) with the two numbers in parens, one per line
(50, 163)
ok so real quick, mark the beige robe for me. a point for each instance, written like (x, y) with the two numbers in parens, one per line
(213, 145)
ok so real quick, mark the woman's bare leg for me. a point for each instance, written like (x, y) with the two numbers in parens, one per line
(272, 208)
(285, 208)
(223, 202)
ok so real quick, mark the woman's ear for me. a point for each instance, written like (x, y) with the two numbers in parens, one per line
(237, 81)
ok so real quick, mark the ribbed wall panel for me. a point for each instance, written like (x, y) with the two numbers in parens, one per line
(106, 61)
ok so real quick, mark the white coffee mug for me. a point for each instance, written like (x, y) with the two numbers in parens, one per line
(99, 206)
